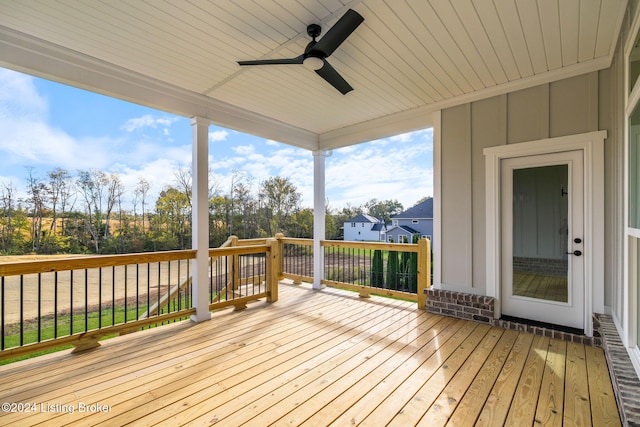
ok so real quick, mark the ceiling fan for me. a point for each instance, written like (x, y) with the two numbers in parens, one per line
(316, 53)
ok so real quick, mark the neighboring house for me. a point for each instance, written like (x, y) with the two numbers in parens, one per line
(415, 220)
(364, 227)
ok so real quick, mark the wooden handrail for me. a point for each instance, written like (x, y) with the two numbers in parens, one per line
(297, 241)
(96, 261)
(237, 250)
(399, 247)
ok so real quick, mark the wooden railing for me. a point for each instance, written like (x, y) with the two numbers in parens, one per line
(401, 270)
(77, 301)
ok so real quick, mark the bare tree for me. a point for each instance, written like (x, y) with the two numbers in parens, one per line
(8, 198)
(37, 199)
(91, 185)
(140, 193)
(61, 197)
(183, 180)
(115, 190)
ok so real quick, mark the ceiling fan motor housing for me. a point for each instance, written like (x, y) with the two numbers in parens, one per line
(314, 30)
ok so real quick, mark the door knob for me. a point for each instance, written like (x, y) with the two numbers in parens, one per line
(577, 240)
(576, 253)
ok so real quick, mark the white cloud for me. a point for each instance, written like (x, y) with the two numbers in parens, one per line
(218, 135)
(28, 140)
(147, 120)
(396, 168)
(244, 150)
(19, 97)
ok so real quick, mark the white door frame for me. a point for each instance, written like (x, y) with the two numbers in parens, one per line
(592, 146)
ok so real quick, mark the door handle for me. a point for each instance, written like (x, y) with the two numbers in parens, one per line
(576, 253)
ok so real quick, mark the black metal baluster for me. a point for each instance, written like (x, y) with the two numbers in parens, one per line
(137, 291)
(212, 279)
(39, 309)
(158, 294)
(21, 310)
(217, 276)
(70, 302)
(2, 314)
(256, 265)
(189, 286)
(100, 298)
(55, 303)
(226, 277)
(113, 294)
(169, 288)
(148, 288)
(86, 300)
(126, 292)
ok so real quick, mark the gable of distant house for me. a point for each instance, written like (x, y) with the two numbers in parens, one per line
(417, 220)
(365, 228)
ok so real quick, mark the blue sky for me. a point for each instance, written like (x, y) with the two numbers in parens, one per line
(44, 125)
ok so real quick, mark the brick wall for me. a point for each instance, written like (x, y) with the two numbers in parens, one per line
(482, 308)
(546, 267)
(623, 376)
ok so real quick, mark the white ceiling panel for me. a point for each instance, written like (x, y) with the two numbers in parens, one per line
(408, 57)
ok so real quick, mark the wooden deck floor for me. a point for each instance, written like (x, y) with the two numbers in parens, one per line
(317, 358)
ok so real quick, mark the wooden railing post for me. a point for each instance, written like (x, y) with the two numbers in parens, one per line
(280, 237)
(424, 271)
(274, 260)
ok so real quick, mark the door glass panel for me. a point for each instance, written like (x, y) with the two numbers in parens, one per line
(634, 168)
(540, 232)
(637, 285)
(634, 63)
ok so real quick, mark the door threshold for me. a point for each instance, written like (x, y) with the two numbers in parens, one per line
(560, 328)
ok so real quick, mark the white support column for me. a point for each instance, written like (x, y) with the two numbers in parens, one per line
(200, 215)
(319, 226)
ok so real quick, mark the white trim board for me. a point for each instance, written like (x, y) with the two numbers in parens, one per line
(436, 119)
(592, 146)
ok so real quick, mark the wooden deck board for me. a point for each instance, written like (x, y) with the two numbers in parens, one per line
(358, 400)
(478, 392)
(523, 407)
(551, 399)
(495, 410)
(448, 400)
(604, 411)
(576, 394)
(317, 358)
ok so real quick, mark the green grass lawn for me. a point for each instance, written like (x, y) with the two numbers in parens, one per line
(54, 328)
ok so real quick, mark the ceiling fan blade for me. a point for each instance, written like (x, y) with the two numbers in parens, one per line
(283, 61)
(339, 32)
(330, 74)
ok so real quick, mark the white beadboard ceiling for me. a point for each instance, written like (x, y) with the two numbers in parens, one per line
(408, 58)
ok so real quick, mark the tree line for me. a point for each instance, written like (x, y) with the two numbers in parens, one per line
(92, 211)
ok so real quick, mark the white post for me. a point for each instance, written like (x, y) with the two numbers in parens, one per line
(319, 157)
(200, 217)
